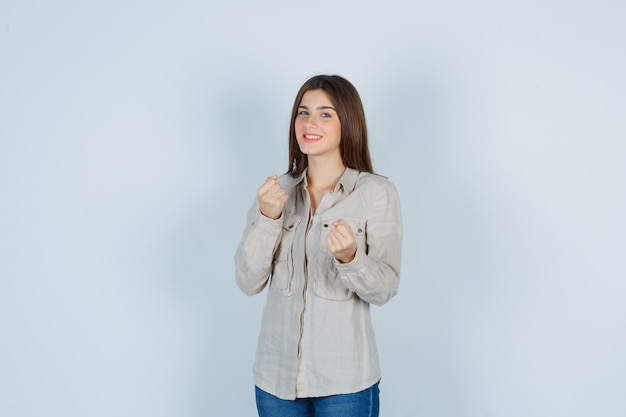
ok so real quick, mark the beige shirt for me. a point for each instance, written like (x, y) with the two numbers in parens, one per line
(316, 334)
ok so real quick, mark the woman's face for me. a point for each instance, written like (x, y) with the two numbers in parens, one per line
(317, 126)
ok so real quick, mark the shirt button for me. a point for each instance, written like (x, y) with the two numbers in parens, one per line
(359, 230)
(325, 225)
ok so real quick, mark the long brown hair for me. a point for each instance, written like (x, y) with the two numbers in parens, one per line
(346, 100)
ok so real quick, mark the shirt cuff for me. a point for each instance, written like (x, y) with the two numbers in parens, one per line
(352, 266)
(268, 225)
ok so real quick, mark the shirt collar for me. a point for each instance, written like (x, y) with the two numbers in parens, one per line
(348, 180)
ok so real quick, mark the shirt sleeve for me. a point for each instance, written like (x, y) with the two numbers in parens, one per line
(255, 252)
(374, 273)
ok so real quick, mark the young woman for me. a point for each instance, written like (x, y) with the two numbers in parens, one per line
(327, 237)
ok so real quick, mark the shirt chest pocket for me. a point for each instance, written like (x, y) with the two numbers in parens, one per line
(283, 270)
(327, 282)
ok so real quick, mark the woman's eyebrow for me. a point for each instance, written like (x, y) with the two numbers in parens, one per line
(317, 108)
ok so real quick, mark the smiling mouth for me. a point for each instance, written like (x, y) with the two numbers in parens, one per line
(311, 138)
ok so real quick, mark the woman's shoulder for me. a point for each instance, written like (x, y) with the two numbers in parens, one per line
(373, 181)
(376, 189)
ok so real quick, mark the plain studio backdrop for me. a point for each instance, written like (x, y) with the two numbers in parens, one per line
(133, 136)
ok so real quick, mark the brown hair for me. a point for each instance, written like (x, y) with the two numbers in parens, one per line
(354, 149)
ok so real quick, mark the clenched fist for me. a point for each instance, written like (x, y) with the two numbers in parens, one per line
(341, 243)
(272, 198)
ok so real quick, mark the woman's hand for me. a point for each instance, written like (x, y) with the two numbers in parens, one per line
(272, 198)
(341, 242)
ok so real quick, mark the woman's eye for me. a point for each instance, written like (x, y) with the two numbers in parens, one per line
(303, 112)
(326, 115)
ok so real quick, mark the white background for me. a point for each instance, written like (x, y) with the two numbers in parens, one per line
(133, 136)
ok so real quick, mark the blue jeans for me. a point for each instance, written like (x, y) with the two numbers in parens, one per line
(359, 404)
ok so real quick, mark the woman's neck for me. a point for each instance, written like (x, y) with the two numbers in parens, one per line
(324, 174)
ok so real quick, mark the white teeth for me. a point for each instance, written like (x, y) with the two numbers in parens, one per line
(312, 137)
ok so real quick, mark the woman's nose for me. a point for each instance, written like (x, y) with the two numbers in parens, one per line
(311, 123)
